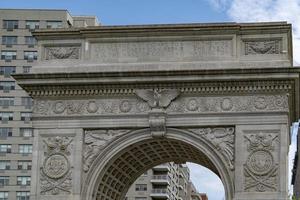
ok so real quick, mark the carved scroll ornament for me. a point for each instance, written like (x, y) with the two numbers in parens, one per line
(62, 53)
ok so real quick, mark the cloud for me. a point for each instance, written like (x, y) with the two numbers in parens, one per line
(206, 181)
(263, 11)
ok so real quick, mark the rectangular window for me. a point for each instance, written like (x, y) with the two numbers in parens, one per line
(24, 165)
(3, 195)
(8, 55)
(26, 116)
(4, 165)
(30, 40)
(30, 24)
(30, 55)
(26, 69)
(6, 116)
(24, 195)
(54, 24)
(25, 148)
(23, 180)
(27, 102)
(7, 70)
(10, 24)
(141, 187)
(26, 132)
(5, 102)
(6, 86)
(9, 40)
(4, 180)
(5, 132)
(5, 148)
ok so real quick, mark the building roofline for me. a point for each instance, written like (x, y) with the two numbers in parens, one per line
(35, 9)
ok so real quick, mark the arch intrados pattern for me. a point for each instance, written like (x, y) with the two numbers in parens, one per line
(128, 163)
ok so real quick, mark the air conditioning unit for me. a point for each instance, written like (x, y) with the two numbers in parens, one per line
(8, 58)
(30, 58)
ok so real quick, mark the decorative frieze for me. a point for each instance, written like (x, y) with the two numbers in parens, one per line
(261, 167)
(56, 173)
(183, 104)
(222, 139)
(63, 52)
(262, 47)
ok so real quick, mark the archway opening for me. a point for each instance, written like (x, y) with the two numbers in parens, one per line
(128, 163)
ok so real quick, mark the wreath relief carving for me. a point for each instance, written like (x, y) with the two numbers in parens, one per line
(261, 169)
(56, 174)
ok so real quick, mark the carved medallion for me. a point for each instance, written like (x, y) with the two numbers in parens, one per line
(62, 53)
(92, 107)
(260, 162)
(262, 47)
(260, 103)
(56, 166)
(125, 106)
(192, 104)
(226, 104)
(59, 107)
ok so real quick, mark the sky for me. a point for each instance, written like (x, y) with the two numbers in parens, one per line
(124, 12)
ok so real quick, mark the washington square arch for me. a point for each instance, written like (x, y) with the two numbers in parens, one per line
(111, 102)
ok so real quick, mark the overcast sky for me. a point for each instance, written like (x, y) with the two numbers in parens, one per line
(118, 12)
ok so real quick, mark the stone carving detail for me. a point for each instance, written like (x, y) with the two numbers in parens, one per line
(62, 53)
(262, 47)
(161, 50)
(177, 104)
(260, 169)
(56, 174)
(95, 141)
(222, 139)
(158, 98)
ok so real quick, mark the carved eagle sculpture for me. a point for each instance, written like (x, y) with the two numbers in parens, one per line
(158, 98)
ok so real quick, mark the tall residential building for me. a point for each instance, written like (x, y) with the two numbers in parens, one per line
(167, 181)
(18, 54)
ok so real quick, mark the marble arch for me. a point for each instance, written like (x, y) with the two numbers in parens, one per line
(226, 92)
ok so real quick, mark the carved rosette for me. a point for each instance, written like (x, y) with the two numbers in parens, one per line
(222, 139)
(261, 169)
(64, 52)
(56, 174)
(262, 47)
(215, 104)
(95, 141)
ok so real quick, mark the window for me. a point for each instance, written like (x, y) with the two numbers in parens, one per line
(141, 187)
(26, 69)
(26, 116)
(4, 180)
(27, 102)
(10, 24)
(5, 102)
(7, 70)
(24, 195)
(32, 25)
(30, 40)
(6, 116)
(5, 132)
(3, 195)
(9, 40)
(4, 165)
(26, 132)
(24, 165)
(6, 86)
(54, 24)
(8, 55)
(25, 148)
(30, 55)
(5, 148)
(23, 180)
